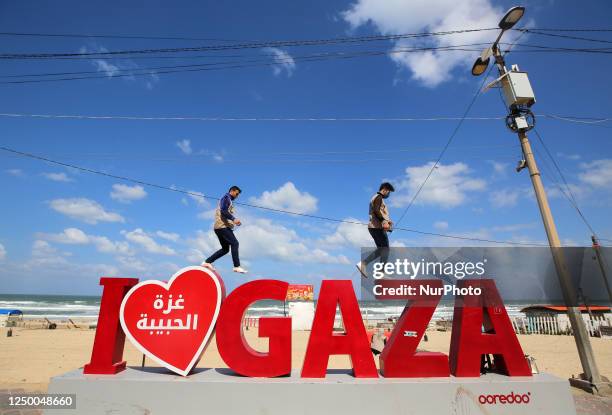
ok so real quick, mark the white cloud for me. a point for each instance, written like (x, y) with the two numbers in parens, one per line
(215, 156)
(448, 186)
(207, 214)
(108, 68)
(174, 237)
(75, 236)
(283, 62)
(126, 194)
(287, 197)
(441, 225)
(123, 68)
(185, 146)
(348, 234)
(199, 198)
(85, 210)
(395, 17)
(514, 227)
(15, 172)
(58, 177)
(597, 173)
(43, 254)
(2, 252)
(573, 156)
(504, 197)
(499, 168)
(140, 237)
(265, 239)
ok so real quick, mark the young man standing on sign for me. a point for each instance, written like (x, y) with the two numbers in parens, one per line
(224, 225)
(380, 223)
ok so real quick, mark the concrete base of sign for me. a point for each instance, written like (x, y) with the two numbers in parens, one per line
(220, 391)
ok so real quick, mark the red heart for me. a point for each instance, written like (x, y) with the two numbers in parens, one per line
(173, 322)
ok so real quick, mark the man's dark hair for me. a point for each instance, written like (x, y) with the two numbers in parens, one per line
(235, 188)
(388, 186)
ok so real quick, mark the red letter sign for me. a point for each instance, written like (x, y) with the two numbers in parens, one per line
(398, 359)
(108, 345)
(469, 343)
(233, 347)
(323, 342)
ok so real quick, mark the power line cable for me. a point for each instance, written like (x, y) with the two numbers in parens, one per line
(249, 45)
(282, 211)
(278, 60)
(182, 37)
(146, 71)
(567, 118)
(537, 48)
(275, 60)
(226, 65)
(571, 198)
(586, 39)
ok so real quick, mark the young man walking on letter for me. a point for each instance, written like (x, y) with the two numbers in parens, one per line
(224, 225)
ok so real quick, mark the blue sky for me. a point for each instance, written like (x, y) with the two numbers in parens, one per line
(63, 229)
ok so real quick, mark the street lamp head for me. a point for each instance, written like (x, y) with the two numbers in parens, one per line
(511, 17)
(480, 66)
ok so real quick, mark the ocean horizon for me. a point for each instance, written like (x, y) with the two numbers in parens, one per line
(87, 307)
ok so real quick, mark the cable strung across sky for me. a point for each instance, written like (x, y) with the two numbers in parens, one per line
(147, 37)
(568, 118)
(247, 45)
(250, 205)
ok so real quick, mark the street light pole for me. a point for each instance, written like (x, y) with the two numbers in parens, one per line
(519, 96)
(591, 379)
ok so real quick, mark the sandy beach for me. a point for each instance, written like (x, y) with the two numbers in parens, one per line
(31, 357)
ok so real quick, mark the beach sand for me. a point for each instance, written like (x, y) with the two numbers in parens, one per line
(31, 357)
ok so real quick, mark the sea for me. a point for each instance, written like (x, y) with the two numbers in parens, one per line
(86, 307)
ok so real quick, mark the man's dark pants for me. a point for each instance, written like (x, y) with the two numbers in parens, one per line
(382, 245)
(227, 241)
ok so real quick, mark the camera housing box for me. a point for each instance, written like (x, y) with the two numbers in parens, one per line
(517, 89)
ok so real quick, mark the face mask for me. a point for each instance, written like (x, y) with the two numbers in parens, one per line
(385, 196)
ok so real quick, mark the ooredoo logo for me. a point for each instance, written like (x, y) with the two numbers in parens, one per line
(511, 398)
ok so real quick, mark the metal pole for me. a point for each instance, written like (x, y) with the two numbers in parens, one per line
(601, 266)
(581, 336)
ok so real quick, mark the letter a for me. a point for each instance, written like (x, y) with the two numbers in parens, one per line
(468, 342)
(323, 342)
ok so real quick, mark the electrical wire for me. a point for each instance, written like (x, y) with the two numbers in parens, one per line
(149, 37)
(454, 133)
(116, 156)
(569, 195)
(248, 45)
(227, 65)
(275, 60)
(250, 205)
(586, 39)
(567, 118)
(213, 66)
(445, 148)
(245, 119)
